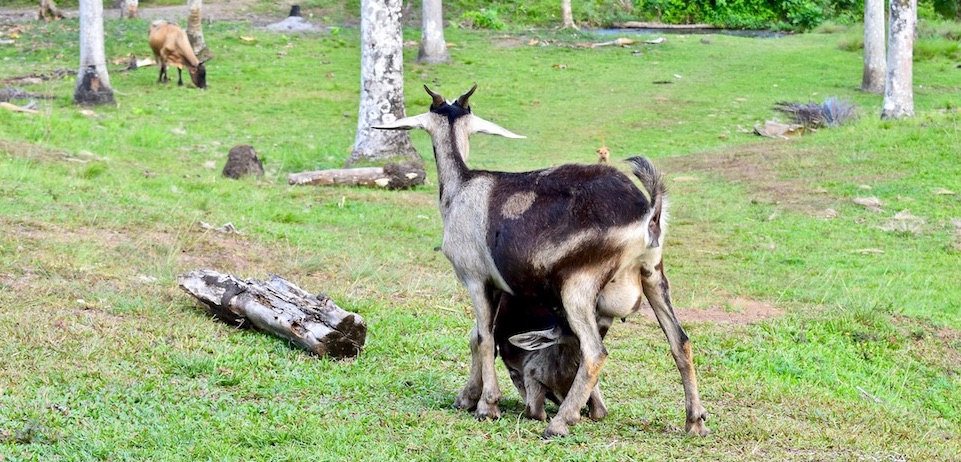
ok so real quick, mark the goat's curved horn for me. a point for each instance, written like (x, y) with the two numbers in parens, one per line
(462, 101)
(438, 99)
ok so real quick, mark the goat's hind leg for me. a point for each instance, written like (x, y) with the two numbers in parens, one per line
(579, 299)
(482, 393)
(658, 293)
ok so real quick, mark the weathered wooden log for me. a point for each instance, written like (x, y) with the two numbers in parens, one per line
(391, 176)
(312, 322)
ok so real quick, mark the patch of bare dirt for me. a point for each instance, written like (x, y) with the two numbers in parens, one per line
(766, 171)
(194, 248)
(35, 152)
(738, 311)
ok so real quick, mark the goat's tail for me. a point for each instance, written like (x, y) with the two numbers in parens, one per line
(653, 182)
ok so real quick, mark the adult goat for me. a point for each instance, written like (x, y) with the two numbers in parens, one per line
(171, 48)
(582, 237)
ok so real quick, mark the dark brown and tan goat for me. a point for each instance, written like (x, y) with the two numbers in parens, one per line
(584, 235)
(541, 354)
(171, 48)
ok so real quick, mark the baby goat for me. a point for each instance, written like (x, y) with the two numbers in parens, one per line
(171, 47)
(584, 235)
(541, 354)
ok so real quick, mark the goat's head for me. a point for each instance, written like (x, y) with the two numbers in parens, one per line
(444, 114)
(198, 74)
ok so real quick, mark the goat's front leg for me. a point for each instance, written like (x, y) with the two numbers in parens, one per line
(658, 292)
(579, 297)
(482, 392)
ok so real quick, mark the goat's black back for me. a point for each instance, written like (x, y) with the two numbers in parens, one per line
(567, 200)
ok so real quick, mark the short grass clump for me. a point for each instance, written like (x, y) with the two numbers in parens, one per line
(823, 329)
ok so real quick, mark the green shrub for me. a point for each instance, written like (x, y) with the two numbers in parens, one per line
(485, 18)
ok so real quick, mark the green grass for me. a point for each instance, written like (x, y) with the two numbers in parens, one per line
(105, 358)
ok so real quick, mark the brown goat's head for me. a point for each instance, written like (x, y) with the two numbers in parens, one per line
(198, 74)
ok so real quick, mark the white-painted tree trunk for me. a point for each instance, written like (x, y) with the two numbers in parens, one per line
(381, 86)
(93, 83)
(433, 47)
(567, 15)
(874, 60)
(195, 32)
(129, 9)
(898, 87)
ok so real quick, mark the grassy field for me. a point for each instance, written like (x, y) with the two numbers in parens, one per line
(822, 330)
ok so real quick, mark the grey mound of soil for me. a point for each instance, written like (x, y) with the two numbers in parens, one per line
(293, 24)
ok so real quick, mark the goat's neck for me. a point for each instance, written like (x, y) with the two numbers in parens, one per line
(451, 147)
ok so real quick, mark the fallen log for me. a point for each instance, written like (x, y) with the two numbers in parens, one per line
(391, 176)
(15, 108)
(312, 322)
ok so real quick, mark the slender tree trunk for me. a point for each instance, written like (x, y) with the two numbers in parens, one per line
(874, 61)
(195, 31)
(567, 15)
(898, 91)
(93, 83)
(381, 86)
(48, 11)
(433, 47)
(129, 9)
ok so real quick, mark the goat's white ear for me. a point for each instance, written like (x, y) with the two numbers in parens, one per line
(536, 339)
(406, 123)
(479, 125)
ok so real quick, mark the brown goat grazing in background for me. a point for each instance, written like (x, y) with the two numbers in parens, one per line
(171, 47)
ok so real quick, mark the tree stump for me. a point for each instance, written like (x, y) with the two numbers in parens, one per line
(241, 161)
(312, 322)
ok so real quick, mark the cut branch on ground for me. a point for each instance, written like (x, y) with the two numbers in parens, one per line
(311, 322)
(391, 176)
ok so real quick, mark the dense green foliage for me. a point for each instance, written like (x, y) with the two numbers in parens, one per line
(793, 15)
(855, 354)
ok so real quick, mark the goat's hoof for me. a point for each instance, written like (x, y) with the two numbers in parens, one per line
(467, 399)
(555, 430)
(464, 403)
(697, 427)
(598, 413)
(536, 415)
(487, 411)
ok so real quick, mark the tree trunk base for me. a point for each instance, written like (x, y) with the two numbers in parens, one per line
(312, 322)
(91, 91)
